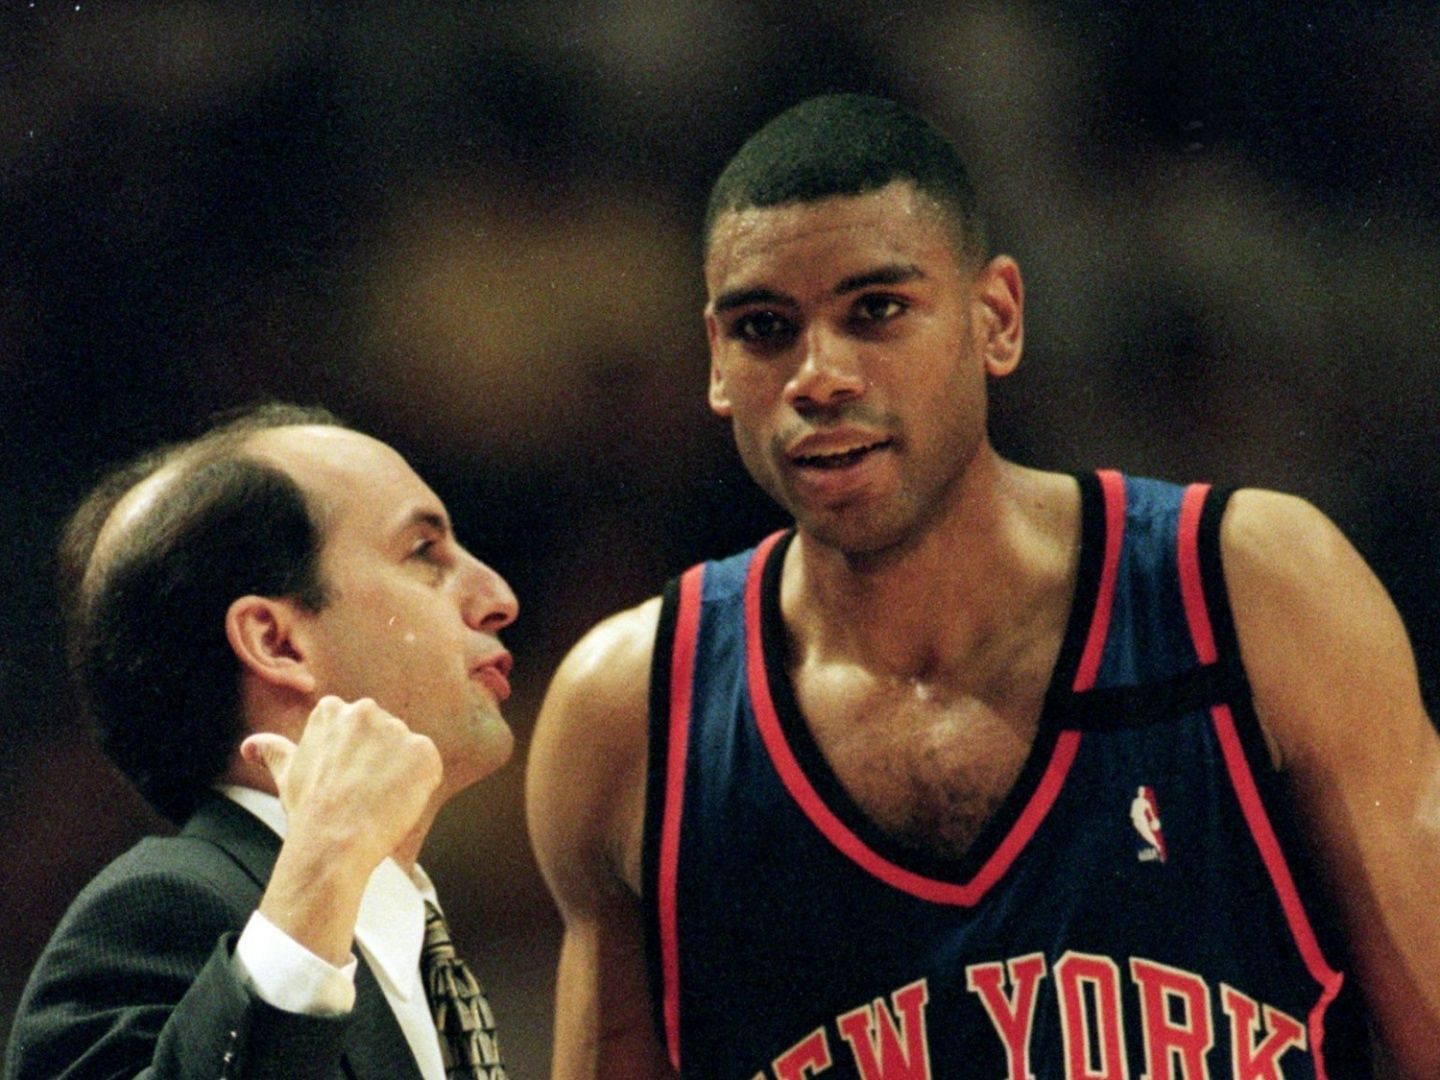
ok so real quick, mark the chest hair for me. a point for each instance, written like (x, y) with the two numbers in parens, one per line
(929, 765)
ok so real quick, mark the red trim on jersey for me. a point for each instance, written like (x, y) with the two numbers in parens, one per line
(1192, 591)
(1067, 744)
(1112, 485)
(1243, 781)
(1263, 832)
(682, 671)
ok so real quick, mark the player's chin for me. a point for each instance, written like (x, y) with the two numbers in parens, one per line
(857, 529)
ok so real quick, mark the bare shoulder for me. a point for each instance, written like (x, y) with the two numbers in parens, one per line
(1322, 641)
(1282, 536)
(585, 780)
(599, 694)
(585, 800)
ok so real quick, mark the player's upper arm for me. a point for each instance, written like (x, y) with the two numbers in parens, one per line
(585, 802)
(1337, 694)
(585, 781)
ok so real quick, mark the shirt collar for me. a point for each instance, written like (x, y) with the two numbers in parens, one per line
(391, 925)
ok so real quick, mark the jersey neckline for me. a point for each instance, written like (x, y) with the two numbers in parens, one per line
(818, 791)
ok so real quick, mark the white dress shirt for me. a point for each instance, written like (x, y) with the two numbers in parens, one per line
(389, 931)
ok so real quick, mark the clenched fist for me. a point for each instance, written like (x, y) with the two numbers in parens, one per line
(354, 788)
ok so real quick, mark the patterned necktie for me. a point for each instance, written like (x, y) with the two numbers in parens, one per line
(468, 1044)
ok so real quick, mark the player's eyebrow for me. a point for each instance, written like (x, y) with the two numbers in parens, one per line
(889, 274)
(737, 298)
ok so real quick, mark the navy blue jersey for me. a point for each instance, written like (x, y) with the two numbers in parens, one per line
(1136, 908)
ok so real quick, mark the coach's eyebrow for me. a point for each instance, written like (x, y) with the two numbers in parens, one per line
(424, 519)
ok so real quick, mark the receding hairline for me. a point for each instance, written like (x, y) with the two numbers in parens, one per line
(140, 501)
(279, 448)
(128, 514)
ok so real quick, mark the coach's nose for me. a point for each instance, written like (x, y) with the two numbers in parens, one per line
(487, 601)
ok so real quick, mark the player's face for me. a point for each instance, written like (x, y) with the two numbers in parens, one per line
(849, 349)
(412, 616)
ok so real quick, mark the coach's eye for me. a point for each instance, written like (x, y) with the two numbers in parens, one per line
(430, 554)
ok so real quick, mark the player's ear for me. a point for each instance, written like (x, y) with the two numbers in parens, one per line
(268, 638)
(1001, 296)
(719, 395)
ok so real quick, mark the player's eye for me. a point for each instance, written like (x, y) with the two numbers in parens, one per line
(877, 308)
(762, 328)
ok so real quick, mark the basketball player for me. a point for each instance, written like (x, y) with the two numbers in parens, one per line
(978, 771)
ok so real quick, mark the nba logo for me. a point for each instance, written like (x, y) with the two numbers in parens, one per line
(1145, 814)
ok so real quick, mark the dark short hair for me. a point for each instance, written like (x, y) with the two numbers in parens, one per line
(848, 144)
(145, 619)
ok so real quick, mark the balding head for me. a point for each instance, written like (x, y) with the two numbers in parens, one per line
(150, 563)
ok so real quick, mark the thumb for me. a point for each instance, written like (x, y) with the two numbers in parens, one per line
(269, 750)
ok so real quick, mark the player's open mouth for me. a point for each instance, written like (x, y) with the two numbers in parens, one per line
(841, 459)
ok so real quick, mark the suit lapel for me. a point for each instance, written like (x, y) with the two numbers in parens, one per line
(238, 833)
(375, 1048)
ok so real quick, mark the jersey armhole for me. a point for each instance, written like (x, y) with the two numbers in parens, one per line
(658, 757)
(1212, 572)
(1264, 799)
(1221, 620)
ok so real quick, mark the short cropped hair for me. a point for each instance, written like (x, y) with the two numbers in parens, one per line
(848, 144)
(145, 616)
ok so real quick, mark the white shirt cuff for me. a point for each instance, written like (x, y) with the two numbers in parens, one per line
(285, 974)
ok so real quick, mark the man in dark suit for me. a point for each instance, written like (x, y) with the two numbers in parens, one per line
(288, 652)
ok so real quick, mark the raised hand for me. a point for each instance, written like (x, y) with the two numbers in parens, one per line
(354, 788)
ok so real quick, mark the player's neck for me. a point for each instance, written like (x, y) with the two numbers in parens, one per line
(1000, 561)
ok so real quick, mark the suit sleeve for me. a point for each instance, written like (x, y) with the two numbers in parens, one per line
(140, 980)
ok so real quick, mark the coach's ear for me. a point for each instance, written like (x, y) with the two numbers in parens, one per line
(268, 638)
(1000, 296)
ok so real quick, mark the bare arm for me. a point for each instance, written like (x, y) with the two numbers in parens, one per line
(1336, 690)
(585, 791)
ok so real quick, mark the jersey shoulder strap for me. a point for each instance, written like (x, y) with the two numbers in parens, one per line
(1217, 675)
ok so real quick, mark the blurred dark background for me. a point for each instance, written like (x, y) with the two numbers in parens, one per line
(471, 230)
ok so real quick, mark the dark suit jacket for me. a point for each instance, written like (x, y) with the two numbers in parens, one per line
(139, 979)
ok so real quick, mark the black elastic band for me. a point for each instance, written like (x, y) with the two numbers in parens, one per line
(1121, 707)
